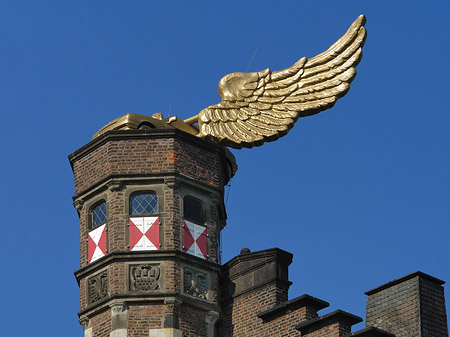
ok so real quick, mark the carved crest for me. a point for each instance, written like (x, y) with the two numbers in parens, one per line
(98, 286)
(196, 283)
(144, 277)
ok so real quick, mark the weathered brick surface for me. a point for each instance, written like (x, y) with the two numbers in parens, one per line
(335, 324)
(432, 309)
(101, 324)
(413, 305)
(395, 309)
(283, 318)
(149, 156)
(141, 318)
(192, 322)
(332, 330)
(240, 315)
(285, 325)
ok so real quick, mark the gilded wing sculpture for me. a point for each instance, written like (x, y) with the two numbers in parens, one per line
(262, 106)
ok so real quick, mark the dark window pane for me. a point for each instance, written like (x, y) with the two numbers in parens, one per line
(99, 215)
(193, 210)
(143, 203)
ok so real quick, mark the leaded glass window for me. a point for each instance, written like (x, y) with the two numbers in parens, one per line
(99, 214)
(144, 203)
(193, 209)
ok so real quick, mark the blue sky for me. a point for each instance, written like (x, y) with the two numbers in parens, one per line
(359, 193)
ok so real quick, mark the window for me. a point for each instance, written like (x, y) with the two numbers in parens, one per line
(195, 237)
(144, 203)
(143, 223)
(193, 210)
(98, 214)
(97, 237)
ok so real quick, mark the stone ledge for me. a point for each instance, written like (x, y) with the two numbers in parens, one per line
(403, 279)
(326, 320)
(371, 331)
(154, 255)
(292, 305)
(160, 298)
(143, 178)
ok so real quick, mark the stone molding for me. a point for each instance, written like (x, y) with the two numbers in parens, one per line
(372, 332)
(139, 256)
(403, 279)
(165, 332)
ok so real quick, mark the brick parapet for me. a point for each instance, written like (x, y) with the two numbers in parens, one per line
(282, 319)
(335, 324)
(308, 304)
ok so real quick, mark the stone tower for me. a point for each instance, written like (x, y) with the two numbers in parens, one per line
(151, 210)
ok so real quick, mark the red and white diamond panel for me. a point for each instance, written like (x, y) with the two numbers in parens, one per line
(144, 233)
(195, 242)
(97, 243)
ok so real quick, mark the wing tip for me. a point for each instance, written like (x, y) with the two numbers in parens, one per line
(361, 20)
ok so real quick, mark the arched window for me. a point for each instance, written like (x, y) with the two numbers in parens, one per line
(144, 203)
(193, 210)
(98, 214)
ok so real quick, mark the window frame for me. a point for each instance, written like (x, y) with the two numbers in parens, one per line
(91, 214)
(203, 211)
(138, 192)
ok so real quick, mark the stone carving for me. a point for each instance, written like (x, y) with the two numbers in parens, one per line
(78, 204)
(118, 308)
(144, 277)
(98, 286)
(196, 283)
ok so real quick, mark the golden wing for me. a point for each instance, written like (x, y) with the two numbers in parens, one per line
(262, 106)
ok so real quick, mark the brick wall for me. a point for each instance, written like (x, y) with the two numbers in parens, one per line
(101, 324)
(141, 318)
(160, 152)
(240, 315)
(192, 322)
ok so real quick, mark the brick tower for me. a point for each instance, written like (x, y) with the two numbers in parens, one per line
(151, 210)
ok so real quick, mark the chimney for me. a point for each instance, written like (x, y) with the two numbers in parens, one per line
(413, 305)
